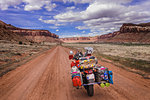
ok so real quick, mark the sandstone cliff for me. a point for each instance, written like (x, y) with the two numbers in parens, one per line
(6, 34)
(27, 34)
(78, 39)
(107, 36)
(135, 28)
(37, 35)
(137, 33)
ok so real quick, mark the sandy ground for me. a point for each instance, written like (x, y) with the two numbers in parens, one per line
(47, 77)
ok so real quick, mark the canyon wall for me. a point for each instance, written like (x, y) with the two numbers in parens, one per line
(37, 35)
(28, 34)
(130, 33)
(7, 34)
(135, 28)
(78, 39)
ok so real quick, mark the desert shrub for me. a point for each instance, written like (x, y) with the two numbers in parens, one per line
(17, 53)
(20, 42)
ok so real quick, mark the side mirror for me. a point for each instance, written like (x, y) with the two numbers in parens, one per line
(71, 52)
(71, 55)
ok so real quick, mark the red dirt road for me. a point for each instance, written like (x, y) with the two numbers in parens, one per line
(47, 77)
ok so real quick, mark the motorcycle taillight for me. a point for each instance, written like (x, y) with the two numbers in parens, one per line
(88, 71)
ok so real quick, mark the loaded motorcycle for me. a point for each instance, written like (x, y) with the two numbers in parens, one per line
(87, 72)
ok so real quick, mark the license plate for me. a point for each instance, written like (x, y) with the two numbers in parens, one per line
(90, 76)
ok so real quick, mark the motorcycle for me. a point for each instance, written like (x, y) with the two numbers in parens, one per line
(86, 72)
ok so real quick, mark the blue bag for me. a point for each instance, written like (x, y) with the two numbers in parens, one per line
(110, 77)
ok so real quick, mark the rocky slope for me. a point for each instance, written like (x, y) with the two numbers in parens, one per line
(9, 32)
(107, 36)
(137, 33)
(135, 28)
(37, 35)
(79, 39)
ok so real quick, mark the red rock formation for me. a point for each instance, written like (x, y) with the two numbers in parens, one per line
(79, 39)
(6, 34)
(36, 35)
(28, 32)
(31, 35)
(109, 35)
(139, 28)
(139, 33)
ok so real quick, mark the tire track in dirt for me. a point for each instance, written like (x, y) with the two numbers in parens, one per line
(23, 79)
(47, 77)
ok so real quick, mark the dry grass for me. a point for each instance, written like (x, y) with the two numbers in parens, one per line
(13, 55)
(133, 56)
(141, 52)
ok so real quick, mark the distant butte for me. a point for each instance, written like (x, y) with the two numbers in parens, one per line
(128, 33)
(10, 32)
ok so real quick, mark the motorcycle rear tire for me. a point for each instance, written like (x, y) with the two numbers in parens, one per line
(90, 90)
(85, 87)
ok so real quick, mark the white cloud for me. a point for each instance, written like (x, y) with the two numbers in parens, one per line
(50, 6)
(32, 7)
(4, 4)
(60, 24)
(81, 27)
(77, 1)
(94, 11)
(69, 16)
(16, 7)
(70, 8)
(53, 27)
(108, 15)
(83, 32)
(52, 21)
(47, 21)
(57, 30)
(29, 4)
(91, 1)
(38, 4)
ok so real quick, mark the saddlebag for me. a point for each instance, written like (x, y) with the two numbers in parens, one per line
(103, 74)
(76, 81)
(76, 76)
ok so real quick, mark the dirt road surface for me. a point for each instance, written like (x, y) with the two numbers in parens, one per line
(47, 77)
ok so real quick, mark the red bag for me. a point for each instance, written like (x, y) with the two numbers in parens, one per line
(77, 62)
(76, 81)
(72, 64)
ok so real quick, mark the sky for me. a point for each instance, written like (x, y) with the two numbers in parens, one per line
(74, 18)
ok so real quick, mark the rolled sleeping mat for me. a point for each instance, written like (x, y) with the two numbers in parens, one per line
(110, 77)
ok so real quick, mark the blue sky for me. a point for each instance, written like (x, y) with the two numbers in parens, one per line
(70, 18)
